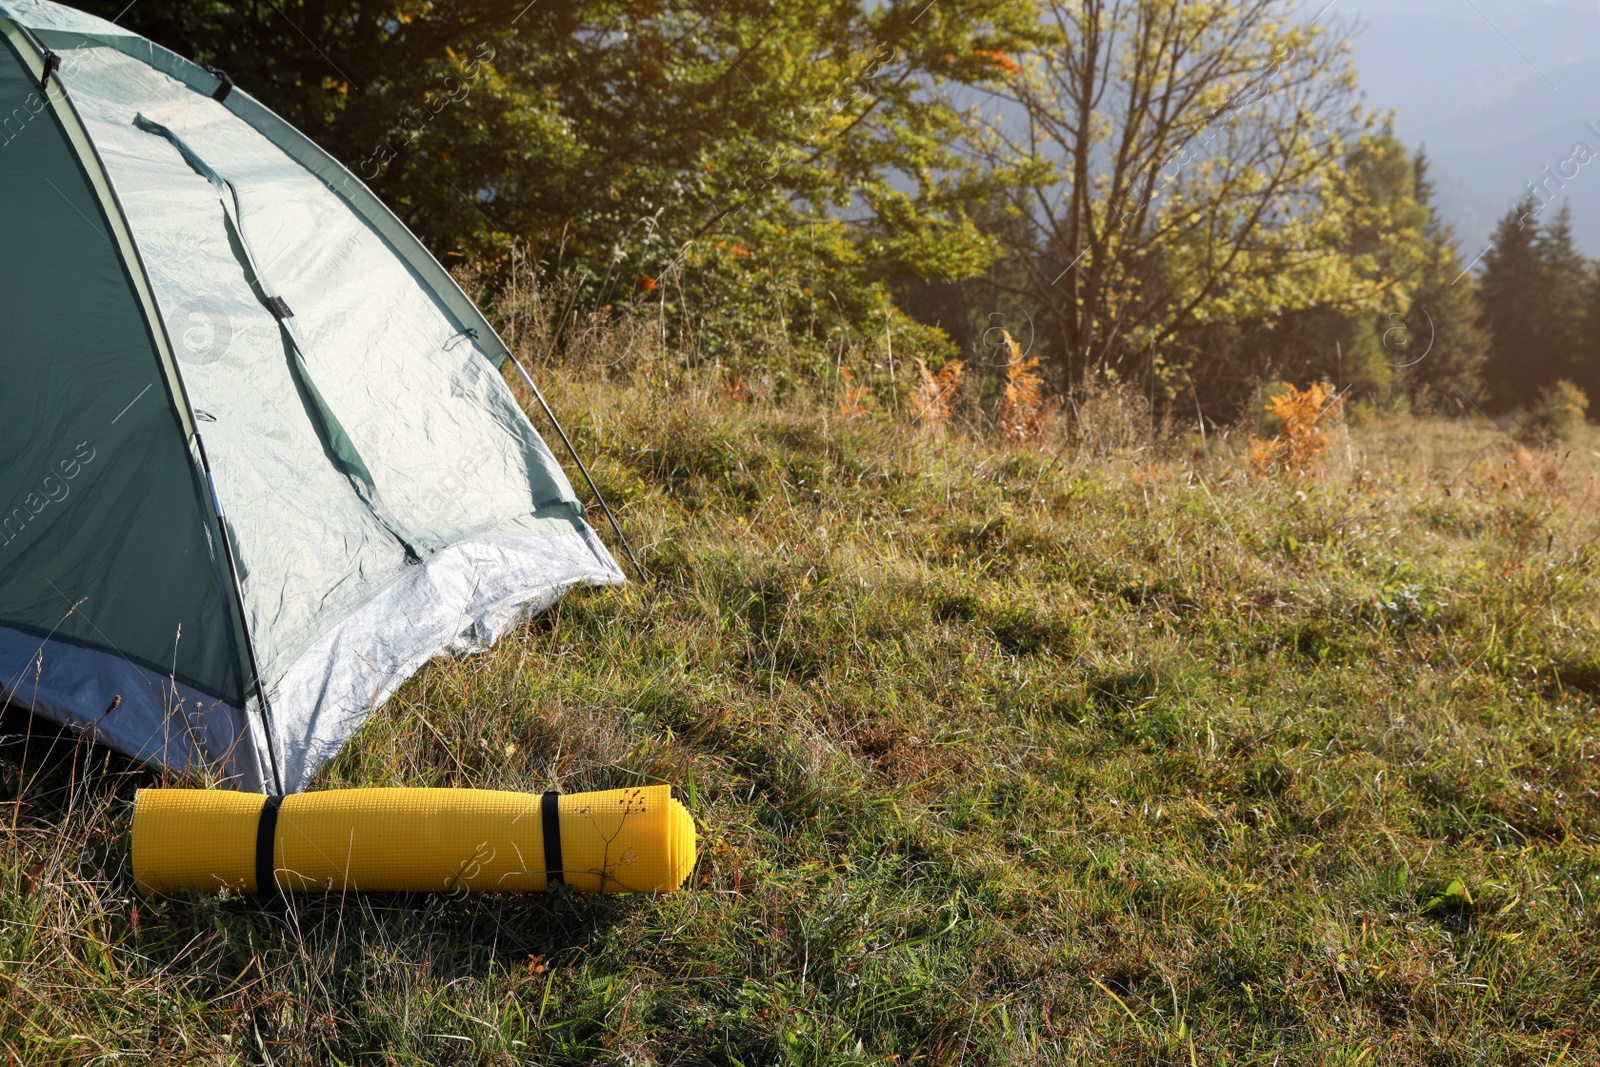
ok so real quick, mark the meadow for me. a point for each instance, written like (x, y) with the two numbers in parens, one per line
(1101, 747)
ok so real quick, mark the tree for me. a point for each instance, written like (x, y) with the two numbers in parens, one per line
(1378, 241)
(1182, 170)
(1509, 291)
(1534, 295)
(1385, 241)
(1566, 276)
(1439, 346)
(1586, 375)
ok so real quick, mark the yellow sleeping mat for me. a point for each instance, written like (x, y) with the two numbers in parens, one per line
(620, 841)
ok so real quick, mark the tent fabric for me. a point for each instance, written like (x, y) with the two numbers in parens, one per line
(101, 504)
(459, 601)
(142, 712)
(385, 496)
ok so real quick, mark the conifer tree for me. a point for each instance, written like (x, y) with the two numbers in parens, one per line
(1511, 295)
(1565, 275)
(1442, 349)
(1586, 372)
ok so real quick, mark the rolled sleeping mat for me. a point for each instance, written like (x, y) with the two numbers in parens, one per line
(619, 841)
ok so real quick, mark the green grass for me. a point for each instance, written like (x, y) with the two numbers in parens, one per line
(998, 755)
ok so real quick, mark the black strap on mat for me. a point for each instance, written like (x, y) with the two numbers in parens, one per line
(266, 840)
(550, 809)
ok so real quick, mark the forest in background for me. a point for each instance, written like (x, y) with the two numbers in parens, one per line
(1190, 197)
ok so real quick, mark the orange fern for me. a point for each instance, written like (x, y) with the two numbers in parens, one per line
(936, 393)
(856, 402)
(999, 60)
(1023, 406)
(1300, 440)
(1262, 456)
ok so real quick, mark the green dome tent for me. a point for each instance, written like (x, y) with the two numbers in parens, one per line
(257, 460)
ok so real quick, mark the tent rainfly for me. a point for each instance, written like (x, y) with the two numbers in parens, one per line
(257, 460)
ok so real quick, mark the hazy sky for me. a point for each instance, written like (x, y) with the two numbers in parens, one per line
(1498, 90)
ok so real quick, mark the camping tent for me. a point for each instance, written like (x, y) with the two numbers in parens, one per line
(257, 460)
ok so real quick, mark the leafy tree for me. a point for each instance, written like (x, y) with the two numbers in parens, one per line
(1380, 241)
(1385, 242)
(1180, 168)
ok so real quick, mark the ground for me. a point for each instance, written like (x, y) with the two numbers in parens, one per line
(1070, 751)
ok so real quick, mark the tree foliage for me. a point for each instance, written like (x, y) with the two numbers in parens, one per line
(766, 154)
(1188, 192)
(1441, 346)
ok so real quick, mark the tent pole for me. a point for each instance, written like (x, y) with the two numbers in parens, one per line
(244, 625)
(593, 488)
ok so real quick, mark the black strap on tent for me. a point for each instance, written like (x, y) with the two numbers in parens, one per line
(52, 63)
(223, 89)
(266, 842)
(338, 443)
(593, 488)
(550, 810)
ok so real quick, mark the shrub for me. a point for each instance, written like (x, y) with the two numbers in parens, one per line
(1559, 411)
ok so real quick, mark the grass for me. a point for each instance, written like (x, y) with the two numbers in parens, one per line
(999, 754)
